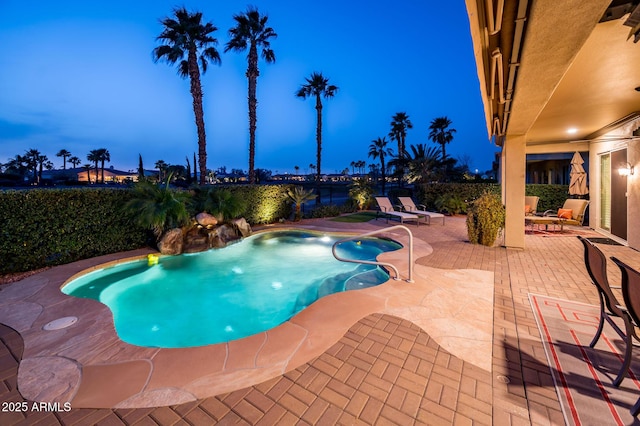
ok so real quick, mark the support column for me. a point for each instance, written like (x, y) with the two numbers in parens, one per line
(513, 180)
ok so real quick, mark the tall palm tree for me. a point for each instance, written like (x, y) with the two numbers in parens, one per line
(74, 161)
(87, 167)
(161, 166)
(400, 123)
(94, 157)
(64, 154)
(379, 149)
(187, 35)
(318, 86)
(103, 155)
(251, 30)
(440, 133)
(31, 161)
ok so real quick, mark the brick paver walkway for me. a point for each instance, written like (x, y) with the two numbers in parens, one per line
(385, 370)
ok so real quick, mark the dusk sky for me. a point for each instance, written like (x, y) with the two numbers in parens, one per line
(79, 75)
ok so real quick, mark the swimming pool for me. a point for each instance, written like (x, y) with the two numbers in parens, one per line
(226, 294)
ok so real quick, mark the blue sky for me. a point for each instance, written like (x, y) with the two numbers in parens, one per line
(79, 75)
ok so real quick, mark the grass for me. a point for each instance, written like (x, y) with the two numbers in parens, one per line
(356, 217)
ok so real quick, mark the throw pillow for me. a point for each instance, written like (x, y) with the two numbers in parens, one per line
(565, 213)
(527, 209)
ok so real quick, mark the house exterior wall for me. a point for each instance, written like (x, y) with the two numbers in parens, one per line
(620, 138)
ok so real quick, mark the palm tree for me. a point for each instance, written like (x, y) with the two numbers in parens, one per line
(251, 30)
(400, 123)
(94, 157)
(297, 169)
(31, 161)
(317, 85)
(87, 167)
(43, 162)
(440, 133)
(298, 195)
(187, 35)
(158, 207)
(103, 155)
(74, 161)
(379, 149)
(64, 154)
(161, 166)
(422, 164)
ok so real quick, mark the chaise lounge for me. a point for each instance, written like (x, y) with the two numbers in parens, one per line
(385, 207)
(421, 210)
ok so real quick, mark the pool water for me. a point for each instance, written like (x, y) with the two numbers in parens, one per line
(226, 294)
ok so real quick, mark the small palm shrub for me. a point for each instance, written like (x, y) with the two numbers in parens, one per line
(485, 219)
(157, 207)
(219, 202)
(451, 204)
(298, 195)
(361, 191)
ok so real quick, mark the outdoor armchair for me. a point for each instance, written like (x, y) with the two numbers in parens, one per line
(631, 295)
(596, 264)
(572, 211)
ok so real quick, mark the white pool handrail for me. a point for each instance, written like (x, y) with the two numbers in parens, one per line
(368, 262)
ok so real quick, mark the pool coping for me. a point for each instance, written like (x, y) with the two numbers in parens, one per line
(88, 365)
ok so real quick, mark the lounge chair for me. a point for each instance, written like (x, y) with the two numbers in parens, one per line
(574, 210)
(386, 208)
(631, 295)
(410, 207)
(596, 264)
(531, 205)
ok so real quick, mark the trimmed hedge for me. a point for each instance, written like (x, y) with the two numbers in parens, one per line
(266, 203)
(552, 197)
(47, 227)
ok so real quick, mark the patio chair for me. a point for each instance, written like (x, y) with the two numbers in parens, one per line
(409, 206)
(572, 212)
(631, 295)
(531, 205)
(385, 207)
(596, 264)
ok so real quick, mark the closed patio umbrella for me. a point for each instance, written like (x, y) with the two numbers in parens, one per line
(578, 177)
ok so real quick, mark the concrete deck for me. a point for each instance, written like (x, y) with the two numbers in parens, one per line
(409, 353)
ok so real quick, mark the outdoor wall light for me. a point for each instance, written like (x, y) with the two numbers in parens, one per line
(626, 170)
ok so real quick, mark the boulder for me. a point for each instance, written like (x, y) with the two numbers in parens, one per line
(243, 227)
(171, 242)
(223, 234)
(206, 220)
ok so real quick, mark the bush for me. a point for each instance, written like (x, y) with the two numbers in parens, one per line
(485, 219)
(46, 227)
(451, 204)
(429, 193)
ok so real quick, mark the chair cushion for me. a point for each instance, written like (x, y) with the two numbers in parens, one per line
(565, 213)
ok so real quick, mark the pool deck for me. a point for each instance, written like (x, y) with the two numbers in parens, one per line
(448, 348)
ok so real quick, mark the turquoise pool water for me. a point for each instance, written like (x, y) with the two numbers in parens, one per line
(226, 294)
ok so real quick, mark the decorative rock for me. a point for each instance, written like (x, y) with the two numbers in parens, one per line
(222, 235)
(171, 242)
(243, 227)
(206, 220)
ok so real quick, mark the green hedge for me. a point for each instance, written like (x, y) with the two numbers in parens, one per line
(47, 227)
(552, 197)
(428, 194)
(266, 203)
